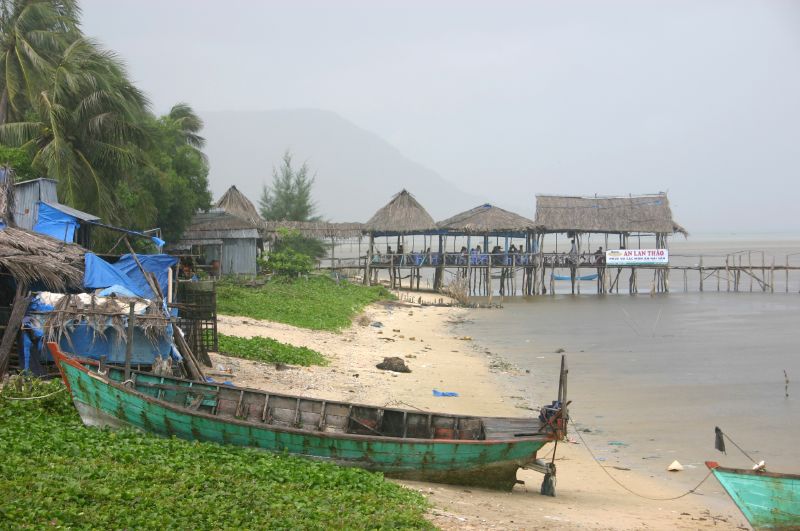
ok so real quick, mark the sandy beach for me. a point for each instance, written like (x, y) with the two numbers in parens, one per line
(487, 385)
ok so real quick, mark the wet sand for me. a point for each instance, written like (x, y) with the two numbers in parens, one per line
(652, 376)
(444, 353)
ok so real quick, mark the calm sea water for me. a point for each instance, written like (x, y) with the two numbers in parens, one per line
(651, 376)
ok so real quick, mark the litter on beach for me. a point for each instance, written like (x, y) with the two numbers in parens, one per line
(444, 393)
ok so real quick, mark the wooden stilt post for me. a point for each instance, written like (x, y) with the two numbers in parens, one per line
(701, 274)
(772, 276)
(21, 301)
(787, 273)
(439, 273)
(129, 344)
(469, 267)
(369, 258)
(727, 272)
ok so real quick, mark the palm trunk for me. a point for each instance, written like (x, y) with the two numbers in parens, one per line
(4, 106)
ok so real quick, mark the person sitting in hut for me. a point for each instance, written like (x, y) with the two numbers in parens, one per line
(573, 253)
(521, 258)
(496, 257)
(462, 260)
(401, 254)
(599, 257)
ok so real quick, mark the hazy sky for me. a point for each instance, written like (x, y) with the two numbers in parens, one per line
(510, 99)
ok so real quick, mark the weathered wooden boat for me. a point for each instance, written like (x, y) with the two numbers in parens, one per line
(768, 500)
(408, 444)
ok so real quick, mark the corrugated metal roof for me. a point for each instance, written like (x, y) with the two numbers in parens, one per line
(72, 212)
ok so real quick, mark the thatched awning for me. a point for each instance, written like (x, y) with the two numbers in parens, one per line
(642, 213)
(31, 257)
(217, 224)
(234, 202)
(402, 215)
(315, 229)
(486, 219)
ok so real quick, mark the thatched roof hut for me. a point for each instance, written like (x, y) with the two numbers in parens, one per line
(486, 219)
(402, 215)
(220, 236)
(234, 202)
(632, 214)
(30, 258)
(209, 227)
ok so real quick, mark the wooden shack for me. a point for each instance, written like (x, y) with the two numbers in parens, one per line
(227, 238)
(29, 261)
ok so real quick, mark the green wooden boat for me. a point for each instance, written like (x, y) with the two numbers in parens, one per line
(409, 444)
(768, 500)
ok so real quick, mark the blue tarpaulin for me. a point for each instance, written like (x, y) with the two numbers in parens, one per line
(125, 273)
(55, 223)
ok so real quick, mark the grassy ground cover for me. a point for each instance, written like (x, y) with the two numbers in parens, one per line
(55, 473)
(269, 350)
(317, 302)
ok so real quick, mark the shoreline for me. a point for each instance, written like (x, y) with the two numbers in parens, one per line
(487, 384)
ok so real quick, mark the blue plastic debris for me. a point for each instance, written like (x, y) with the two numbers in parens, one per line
(444, 393)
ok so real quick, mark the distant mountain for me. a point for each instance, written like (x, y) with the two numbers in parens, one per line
(357, 171)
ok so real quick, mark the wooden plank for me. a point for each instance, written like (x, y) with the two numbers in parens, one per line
(238, 412)
(170, 387)
(265, 416)
(321, 426)
(129, 344)
(297, 412)
(21, 302)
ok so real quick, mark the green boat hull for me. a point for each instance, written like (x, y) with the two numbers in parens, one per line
(493, 464)
(768, 500)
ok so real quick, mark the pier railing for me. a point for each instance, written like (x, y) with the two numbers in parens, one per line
(543, 272)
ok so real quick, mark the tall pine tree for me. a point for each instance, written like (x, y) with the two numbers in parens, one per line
(289, 197)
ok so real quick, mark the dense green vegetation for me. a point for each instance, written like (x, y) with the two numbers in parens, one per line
(269, 350)
(316, 302)
(57, 473)
(76, 117)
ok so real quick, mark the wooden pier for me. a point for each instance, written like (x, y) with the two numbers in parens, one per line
(515, 274)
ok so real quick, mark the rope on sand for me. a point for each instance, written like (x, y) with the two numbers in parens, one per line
(615, 480)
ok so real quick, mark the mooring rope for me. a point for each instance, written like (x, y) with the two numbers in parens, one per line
(615, 480)
(34, 397)
(739, 448)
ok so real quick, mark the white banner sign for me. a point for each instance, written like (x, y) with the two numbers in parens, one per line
(637, 257)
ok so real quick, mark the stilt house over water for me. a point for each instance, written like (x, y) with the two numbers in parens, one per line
(625, 217)
(479, 224)
(402, 216)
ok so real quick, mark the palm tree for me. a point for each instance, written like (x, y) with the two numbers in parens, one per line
(86, 130)
(186, 125)
(33, 35)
